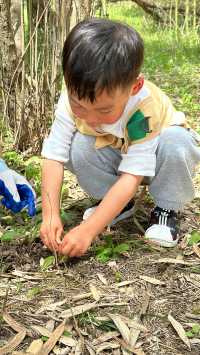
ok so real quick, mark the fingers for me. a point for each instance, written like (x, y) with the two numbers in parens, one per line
(49, 236)
(66, 247)
(75, 253)
(59, 236)
(70, 247)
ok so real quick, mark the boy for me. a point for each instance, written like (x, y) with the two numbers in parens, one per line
(111, 130)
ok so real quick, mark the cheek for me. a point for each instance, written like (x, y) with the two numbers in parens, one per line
(112, 118)
(78, 112)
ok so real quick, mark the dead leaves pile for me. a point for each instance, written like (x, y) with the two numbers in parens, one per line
(124, 338)
(61, 334)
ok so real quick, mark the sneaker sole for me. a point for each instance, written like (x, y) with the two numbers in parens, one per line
(163, 243)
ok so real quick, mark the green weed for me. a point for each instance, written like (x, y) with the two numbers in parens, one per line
(110, 250)
(9, 236)
(13, 159)
(44, 338)
(33, 173)
(171, 61)
(47, 262)
(194, 238)
(194, 332)
(33, 292)
(90, 319)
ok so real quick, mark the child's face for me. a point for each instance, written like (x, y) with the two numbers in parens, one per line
(106, 109)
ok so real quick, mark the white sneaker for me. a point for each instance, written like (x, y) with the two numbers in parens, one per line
(163, 228)
(126, 212)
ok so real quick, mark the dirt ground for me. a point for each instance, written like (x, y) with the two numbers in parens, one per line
(142, 302)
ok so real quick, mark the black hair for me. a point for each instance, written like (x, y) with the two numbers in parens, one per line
(101, 54)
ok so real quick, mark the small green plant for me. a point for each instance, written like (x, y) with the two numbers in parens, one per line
(106, 325)
(9, 236)
(194, 332)
(44, 338)
(67, 334)
(90, 318)
(34, 291)
(194, 238)
(110, 250)
(13, 159)
(68, 217)
(33, 173)
(118, 276)
(47, 262)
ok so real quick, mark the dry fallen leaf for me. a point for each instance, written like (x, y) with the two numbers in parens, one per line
(151, 280)
(102, 279)
(82, 296)
(54, 337)
(90, 350)
(79, 348)
(105, 337)
(124, 283)
(96, 294)
(107, 346)
(16, 325)
(133, 323)
(176, 261)
(68, 341)
(74, 311)
(13, 343)
(121, 326)
(116, 352)
(35, 346)
(58, 351)
(134, 334)
(52, 306)
(50, 325)
(196, 249)
(179, 329)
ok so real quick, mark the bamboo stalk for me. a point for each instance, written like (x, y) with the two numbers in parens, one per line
(187, 9)
(176, 17)
(194, 14)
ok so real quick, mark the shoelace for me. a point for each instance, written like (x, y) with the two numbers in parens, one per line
(163, 216)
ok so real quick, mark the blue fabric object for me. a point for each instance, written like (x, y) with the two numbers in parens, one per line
(26, 199)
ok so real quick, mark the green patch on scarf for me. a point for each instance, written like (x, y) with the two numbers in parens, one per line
(138, 126)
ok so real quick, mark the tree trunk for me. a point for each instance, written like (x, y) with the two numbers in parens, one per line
(81, 10)
(8, 64)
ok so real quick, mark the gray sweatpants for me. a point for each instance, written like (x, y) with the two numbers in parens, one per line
(172, 187)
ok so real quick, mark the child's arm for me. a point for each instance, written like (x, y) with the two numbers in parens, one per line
(77, 241)
(56, 152)
(51, 228)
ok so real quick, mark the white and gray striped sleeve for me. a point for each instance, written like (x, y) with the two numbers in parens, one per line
(140, 158)
(57, 145)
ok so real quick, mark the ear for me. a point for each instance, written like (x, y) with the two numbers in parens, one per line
(137, 85)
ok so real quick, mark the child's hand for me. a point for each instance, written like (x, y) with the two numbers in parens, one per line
(51, 232)
(76, 241)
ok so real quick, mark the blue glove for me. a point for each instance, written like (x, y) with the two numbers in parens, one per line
(16, 191)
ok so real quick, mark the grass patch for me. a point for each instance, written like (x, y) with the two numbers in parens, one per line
(171, 61)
